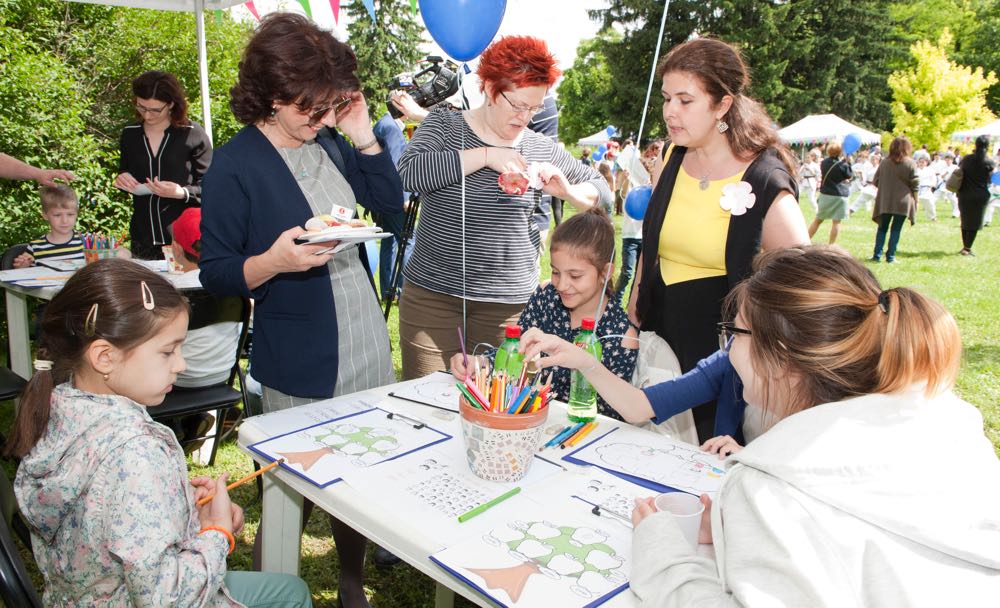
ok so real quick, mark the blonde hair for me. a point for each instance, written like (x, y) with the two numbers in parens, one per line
(833, 149)
(822, 315)
(58, 196)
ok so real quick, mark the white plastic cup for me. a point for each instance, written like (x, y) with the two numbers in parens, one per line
(686, 509)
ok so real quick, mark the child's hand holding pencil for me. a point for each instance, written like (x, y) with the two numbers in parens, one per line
(218, 511)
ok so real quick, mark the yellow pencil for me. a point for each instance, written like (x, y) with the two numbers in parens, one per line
(207, 499)
(579, 435)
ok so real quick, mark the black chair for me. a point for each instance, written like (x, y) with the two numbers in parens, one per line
(7, 261)
(16, 588)
(206, 310)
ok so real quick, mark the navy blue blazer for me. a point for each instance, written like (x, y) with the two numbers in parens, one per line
(249, 197)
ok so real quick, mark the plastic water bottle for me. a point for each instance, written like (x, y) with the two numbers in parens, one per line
(582, 396)
(508, 359)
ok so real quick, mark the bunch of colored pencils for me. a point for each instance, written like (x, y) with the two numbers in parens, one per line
(101, 241)
(571, 435)
(498, 392)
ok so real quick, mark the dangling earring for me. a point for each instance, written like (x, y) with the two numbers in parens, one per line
(722, 126)
(105, 377)
(274, 111)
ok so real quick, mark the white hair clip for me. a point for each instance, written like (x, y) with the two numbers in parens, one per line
(42, 365)
(147, 296)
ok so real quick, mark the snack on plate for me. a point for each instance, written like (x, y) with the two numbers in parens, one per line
(322, 222)
(513, 182)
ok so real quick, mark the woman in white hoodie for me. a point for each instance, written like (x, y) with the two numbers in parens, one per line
(875, 486)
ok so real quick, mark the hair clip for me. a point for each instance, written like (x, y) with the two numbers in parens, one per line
(90, 323)
(883, 301)
(42, 365)
(147, 296)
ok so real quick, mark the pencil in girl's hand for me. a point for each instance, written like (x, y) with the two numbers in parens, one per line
(207, 499)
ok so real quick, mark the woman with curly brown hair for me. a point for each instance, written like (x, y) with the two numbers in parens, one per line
(318, 331)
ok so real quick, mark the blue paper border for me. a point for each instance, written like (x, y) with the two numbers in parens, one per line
(445, 437)
(639, 481)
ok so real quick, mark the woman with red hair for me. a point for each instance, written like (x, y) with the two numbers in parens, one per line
(476, 251)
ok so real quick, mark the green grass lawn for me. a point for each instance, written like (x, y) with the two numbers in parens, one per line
(927, 260)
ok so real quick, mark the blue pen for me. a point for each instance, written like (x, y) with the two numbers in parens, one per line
(515, 404)
(563, 435)
(551, 442)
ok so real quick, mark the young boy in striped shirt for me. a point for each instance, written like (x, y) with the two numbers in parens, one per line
(59, 208)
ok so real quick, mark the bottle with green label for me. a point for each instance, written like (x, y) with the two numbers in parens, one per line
(508, 359)
(582, 405)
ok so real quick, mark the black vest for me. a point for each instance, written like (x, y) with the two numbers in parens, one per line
(767, 176)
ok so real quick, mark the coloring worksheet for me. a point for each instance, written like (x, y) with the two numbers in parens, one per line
(434, 487)
(293, 419)
(553, 554)
(437, 389)
(324, 452)
(653, 460)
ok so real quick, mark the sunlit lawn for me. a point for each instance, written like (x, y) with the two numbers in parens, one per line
(927, 260)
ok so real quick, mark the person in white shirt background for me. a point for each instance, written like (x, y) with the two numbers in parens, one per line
(928, 180)
(809, 177)
(943, 174)
(866, 173)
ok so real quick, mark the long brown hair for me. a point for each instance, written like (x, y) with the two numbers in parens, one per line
(591, 235)
(822, 315)
(721, 70)
(109, 293)
(162, 86)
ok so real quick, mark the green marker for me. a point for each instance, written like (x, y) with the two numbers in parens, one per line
(499, 499)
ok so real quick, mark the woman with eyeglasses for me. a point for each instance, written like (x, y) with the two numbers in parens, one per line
(476, 254)
(163, 158)
(318, 330)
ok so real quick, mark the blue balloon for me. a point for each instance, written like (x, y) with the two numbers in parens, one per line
(597, 155)
(851, 143)
(995, 178)
(610, 130)
(463, 28)
(602, 148)
(637, 201)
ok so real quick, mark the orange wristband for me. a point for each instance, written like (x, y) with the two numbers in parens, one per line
(229, 536)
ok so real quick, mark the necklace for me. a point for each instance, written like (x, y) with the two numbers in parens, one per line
(300, 171)
(703, 183)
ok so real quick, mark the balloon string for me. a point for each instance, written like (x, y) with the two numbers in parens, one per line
(465, 328)
(652, 75)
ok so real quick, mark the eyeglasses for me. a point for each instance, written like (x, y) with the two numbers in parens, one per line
(521, 109)
(141, 109)
(727, 331)
(316, 115)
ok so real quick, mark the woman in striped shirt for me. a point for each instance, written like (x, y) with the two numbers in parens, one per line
(476, 251)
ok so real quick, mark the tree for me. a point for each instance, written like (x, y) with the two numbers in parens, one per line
(585, 89)
(385, 48)
(981, 47)
(937, 96)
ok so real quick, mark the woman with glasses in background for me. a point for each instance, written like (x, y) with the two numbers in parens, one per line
(163, 158)
(318, 330)
(477, 247)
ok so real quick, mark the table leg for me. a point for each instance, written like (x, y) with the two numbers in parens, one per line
(281, 520)
(443, 597)
(17, 332)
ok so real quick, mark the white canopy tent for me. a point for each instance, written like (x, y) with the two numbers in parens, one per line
(822, 128)
(198, 7)
(601, 137)
(991, 130)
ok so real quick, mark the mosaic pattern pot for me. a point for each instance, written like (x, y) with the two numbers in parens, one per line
(500, 447)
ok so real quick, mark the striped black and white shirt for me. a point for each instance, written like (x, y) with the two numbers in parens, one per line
(44, 249)
(501, 240)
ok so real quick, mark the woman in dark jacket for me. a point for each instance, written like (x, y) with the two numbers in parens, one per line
(163, 158)
(835, 180)
(896, 201)
(975, 192)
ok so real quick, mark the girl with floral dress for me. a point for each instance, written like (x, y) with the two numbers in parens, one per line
(581, 257)
(103, 487)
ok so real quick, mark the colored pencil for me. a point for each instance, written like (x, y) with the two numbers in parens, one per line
(483, 507)
(575, 439)
(207, 499)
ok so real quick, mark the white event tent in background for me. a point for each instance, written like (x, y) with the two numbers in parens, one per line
(822, 128)
(991, 130)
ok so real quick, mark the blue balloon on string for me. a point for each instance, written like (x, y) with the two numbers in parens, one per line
(463, 28)
(597, 155)
(851, 143)
(637, 201)
(610, 130)
(602, 148)
(995, 179)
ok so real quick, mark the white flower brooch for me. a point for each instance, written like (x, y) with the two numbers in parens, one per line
(737, 198)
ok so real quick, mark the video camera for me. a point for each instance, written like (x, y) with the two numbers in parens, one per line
(428, 87)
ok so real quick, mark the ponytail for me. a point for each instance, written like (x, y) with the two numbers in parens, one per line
(33, 410)
(921, 343)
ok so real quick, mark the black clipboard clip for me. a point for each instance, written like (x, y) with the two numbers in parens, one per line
(411, 421)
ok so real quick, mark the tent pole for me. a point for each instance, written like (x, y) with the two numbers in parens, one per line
(652, 75)
(206, 102)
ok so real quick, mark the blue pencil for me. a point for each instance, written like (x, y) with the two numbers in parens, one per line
(568, 432)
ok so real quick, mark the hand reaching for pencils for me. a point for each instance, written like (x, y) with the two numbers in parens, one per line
(559, 352)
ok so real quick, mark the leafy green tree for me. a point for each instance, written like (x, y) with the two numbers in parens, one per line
(937, 96)
(980, 47)
(385, 48)
(585, 89)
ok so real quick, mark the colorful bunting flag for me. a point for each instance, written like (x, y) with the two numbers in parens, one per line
(253, 10)
(370, 5)
(335, 7)
(306, 8)
(413, 5)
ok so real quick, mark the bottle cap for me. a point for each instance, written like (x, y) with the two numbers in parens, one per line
(587, 324)
(513, 331)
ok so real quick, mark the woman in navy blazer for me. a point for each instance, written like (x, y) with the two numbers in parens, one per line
(296, 89)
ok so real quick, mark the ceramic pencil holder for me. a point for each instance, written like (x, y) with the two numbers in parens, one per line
(500, 447)
(93, 255)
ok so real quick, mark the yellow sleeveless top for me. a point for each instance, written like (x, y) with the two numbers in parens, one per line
(694, 232)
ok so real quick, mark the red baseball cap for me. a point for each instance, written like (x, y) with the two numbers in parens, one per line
(187, 229)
